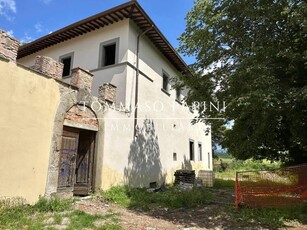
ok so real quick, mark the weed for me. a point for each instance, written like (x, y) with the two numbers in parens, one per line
(11, 202)
(117, 194)
(54, 204)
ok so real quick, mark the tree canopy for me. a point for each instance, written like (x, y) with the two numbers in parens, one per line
(252, 55)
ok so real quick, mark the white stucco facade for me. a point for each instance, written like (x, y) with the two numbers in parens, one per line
(162, 144)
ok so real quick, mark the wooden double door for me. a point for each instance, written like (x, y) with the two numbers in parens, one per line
(76, 161)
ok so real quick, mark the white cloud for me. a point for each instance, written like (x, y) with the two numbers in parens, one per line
(10, 33)
(26, 38)
(7, 7)
(38, 27)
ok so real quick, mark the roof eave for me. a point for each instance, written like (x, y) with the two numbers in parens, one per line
(127, 10)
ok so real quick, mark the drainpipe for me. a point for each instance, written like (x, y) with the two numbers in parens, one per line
(137, 78)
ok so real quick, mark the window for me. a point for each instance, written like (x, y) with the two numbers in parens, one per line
(191, 146)
(108, 53)
(174, 156)
(165, 81)
(200, 153)
(178, 95)
(67, 60)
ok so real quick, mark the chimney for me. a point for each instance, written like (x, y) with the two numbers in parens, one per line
(8, 46)
(81, 78)
(107, 92)
(49, 67)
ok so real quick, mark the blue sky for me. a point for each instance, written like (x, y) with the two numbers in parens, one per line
(28, 20)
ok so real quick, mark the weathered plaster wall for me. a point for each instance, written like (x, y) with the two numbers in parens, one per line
(28, 105)
(149, 157)
(172, 122)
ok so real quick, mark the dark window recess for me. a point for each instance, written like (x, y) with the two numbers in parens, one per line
(109, 55)
(174, 156)
(192, 157)
(67, 65)
(165, 82)
(178, 93)
(200, 156)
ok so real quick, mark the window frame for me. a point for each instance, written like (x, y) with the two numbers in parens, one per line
(165, 75)
(209, 161)
(102, 45)
(64, 56)
(191, 154)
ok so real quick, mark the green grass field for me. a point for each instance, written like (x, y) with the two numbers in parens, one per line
(226, 168)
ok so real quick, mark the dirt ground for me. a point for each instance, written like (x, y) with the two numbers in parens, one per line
(211, 217)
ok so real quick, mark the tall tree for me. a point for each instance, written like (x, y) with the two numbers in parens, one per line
(252, 55)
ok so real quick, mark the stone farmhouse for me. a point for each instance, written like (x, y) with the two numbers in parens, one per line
(92, 105)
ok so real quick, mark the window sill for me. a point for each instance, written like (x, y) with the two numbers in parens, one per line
(164, 91)
(65, 77)
(107, 66)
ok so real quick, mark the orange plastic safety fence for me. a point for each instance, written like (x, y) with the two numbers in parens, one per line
(270, 188)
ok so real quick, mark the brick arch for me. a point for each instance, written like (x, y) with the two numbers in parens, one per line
(70, 102)
(81, 116)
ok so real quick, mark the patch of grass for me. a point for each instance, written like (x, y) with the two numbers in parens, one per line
(273, 218)
(223, 184)
(17, 215)
(231, 166)
(81, 220)
(113, 226)
(117, 194)
(54, 204)
(11, 202)
(58, 217)
(21, 217)
(173, 197)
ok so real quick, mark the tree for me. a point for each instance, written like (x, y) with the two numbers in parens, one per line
(252, 55)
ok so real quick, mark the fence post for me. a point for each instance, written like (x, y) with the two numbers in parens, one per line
(236, 192)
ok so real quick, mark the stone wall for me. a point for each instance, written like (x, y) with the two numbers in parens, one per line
(8, 46)
(81, 78)
(107, 92)
(49, 67)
